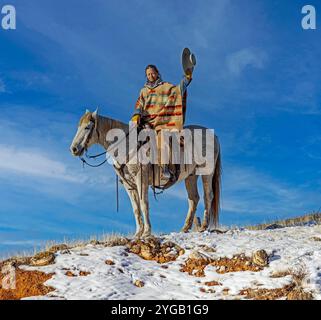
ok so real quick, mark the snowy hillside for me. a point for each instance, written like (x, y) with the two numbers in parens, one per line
(283, 263)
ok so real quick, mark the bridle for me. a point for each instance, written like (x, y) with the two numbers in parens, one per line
(84, 161)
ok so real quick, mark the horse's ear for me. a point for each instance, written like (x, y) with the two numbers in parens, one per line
(87, 111)
(94, 114)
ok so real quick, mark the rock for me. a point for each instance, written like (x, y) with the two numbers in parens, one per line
(109, 262)
(222, 269)
(196, 255)
(225, 291)
(146, 253)
(42, 259)
(154, 249)
(207, 248)
(260, 258)
(273, 226)
(139, 283)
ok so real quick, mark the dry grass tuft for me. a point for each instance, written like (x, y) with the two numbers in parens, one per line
(314, 217)
(316, 238)
(267, 294)
(292, 291)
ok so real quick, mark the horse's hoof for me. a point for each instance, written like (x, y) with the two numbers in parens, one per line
(185, 230)
(203, 229)
(137, 235)
(147, 236)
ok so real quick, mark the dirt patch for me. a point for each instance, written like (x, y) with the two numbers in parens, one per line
(195, 266)
(27, 284)
(212, 283)
(236, 264)
(154, 249)
(70, 274)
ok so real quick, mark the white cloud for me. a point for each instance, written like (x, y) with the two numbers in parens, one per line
(238, 61)
(34, 163)
(246, 190)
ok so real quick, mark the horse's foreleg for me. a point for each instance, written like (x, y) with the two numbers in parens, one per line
(193, 199)
(142, 187)
(134, 199)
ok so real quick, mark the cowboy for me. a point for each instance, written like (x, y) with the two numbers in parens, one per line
(162, 105)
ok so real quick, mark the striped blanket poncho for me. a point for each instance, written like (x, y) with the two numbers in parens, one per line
(162, 107)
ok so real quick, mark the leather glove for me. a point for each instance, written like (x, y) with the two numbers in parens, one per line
(135, 118)
(188, 74)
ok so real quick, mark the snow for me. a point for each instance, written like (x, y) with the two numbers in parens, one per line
(292, 247)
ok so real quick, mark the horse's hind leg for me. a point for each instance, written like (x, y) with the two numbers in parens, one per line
(208, 199)
(193, 199)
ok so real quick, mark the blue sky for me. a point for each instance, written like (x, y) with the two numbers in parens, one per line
(257, 83)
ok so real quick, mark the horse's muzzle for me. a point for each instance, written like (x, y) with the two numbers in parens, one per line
(76, 151)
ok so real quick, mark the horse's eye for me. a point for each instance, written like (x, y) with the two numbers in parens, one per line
(87, 128)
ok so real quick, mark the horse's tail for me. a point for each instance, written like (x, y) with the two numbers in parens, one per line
(216, 187)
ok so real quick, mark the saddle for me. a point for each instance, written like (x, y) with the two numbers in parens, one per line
(174, 169)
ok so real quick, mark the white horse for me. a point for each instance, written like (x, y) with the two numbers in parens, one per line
(137, 178)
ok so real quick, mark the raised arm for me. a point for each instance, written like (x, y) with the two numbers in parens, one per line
(185, 82)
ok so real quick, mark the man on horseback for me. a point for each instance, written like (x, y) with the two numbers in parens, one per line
(162, 105)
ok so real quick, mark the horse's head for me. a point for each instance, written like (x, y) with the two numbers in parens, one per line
(85, 135)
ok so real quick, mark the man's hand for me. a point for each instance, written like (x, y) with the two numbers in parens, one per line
(188, 74)
(135, 118)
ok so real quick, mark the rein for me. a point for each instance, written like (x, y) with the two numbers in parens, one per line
(103, 153)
